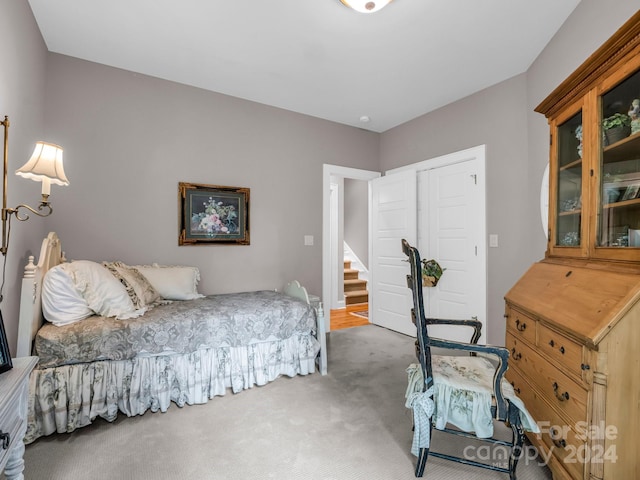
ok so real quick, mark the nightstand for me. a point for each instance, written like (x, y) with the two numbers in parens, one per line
(14, 397)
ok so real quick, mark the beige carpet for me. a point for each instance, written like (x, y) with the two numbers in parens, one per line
(351, 424)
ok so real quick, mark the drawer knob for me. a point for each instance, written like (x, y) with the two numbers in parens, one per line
(585, 366)
(521, 326)
(562, 397)
(562, 443)
(516, 356)
(5, 438)
(553, 344)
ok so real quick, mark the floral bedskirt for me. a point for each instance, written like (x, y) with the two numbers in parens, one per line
(62, 399)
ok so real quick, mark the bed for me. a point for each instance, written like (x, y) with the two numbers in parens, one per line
(183, 348)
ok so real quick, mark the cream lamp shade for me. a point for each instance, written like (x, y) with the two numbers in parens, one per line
(45, 165)
(366, 6)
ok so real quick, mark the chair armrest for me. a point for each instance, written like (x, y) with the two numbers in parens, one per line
(475, 324)
(502, 355)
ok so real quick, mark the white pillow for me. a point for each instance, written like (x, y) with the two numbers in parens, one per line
(104, 294)
(172, 282)
(62, 303)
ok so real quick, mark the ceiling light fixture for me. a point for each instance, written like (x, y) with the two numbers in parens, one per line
(366, 6)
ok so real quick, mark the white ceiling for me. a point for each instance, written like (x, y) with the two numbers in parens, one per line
(315, 57)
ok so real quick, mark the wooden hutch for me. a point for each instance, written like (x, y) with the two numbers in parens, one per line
(573, 319)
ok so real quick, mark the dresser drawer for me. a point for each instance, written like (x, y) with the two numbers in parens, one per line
(559, 390)
(521, 325)
(558, 437)
(564, 444)
(567, 352)
(532, 400)
(13, 418)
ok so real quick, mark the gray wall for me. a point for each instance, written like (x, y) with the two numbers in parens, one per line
(356, 217)
(517, 140)
(22, 88)
(129, 139)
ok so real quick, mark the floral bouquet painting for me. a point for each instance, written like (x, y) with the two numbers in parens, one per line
(217, 218)
(213, 214)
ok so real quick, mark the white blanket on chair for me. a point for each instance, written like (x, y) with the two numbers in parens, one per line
(461, 396)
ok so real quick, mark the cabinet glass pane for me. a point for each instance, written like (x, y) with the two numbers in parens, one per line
(569, 184)
(619, 206)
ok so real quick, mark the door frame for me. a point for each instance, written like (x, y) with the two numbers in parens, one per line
(329, 171)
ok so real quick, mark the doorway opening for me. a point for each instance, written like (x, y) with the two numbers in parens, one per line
(333, 231)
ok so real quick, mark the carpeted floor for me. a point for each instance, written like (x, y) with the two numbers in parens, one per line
(350, 424)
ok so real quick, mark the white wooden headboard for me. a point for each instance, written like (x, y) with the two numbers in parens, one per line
(31, 318)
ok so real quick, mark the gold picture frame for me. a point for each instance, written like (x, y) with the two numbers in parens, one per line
(213, 214)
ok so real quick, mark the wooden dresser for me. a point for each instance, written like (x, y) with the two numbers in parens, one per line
(573, 319)
(574, 337)
(14, 395)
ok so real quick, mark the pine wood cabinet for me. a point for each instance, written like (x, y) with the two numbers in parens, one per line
(573, 319)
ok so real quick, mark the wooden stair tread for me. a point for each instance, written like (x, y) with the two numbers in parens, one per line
(355, 283)
(355, 288)
(356, 292)
(351, 298)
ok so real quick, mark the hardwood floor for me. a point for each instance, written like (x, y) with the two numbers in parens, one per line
(344, 317)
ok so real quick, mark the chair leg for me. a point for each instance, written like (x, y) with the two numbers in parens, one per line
(423, 454)
(422, 461)
(516, 450)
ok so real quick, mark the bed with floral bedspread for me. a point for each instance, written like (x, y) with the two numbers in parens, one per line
(184, 352)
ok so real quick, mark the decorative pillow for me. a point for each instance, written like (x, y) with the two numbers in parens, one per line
(172, 282)
(62, 303)
(140, 291)
(104, 294)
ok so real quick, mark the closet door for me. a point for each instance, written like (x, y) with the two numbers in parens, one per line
(451, 230)
(393, 217)
(439, 206)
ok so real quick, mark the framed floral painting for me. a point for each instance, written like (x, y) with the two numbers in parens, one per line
(213, 214)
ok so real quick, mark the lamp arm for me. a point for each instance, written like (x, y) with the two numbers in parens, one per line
(25, 216)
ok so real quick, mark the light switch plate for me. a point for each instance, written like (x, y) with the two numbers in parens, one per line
(493, 240)
(308, 240)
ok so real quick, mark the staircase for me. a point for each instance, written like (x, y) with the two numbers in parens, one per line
(355, 289)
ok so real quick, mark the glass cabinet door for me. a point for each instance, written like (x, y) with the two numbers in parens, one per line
(569, 183)
(619, 192)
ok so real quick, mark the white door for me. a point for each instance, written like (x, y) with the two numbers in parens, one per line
(451, 230)
(393, 217)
